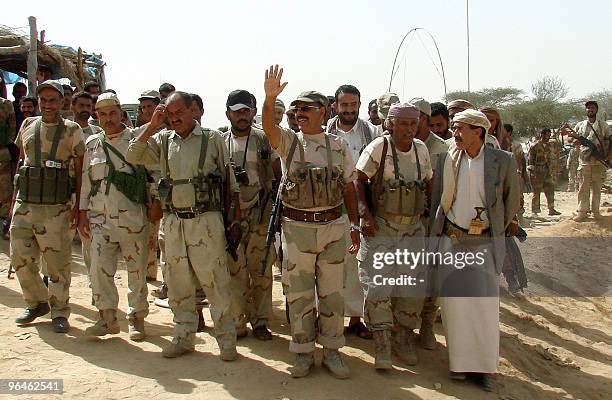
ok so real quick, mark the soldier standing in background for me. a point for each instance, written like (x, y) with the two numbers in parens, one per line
(539, 168)
(573, 161)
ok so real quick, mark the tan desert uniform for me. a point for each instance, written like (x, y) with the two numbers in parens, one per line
(7, 134)
(195, 247)
(436, 146)
(251, 293)
(44, 229)
(592, 172)
(555, 153)
(118, 227)
(400, 227)
(315, 251)
(539, 162)
(573, 161)
(85, 242)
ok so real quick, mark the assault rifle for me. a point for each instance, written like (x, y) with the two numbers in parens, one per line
(274, 225)
(566, 130)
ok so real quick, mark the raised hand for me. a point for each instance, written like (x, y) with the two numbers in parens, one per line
(272, 84)
(159, 116)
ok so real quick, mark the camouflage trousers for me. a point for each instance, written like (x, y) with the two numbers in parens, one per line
(353, 292)
(539, 183)
(251, 293)
(573, 179)
(42, 231)
(195, 254)
(382, 314)
(6, 188)
(592, 179)
(152, 250)
(314, 255)
(108, 241)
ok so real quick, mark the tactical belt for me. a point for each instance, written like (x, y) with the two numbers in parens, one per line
(455, 231)
(313, 216)
(189, 212)
(399, 219)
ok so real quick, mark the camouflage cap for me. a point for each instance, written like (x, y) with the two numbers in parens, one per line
(107, 99)
(149, 94)
(311, 96)
(461, 105)
(385, 102)
(278, 104)
(422, 104)
(51, 84)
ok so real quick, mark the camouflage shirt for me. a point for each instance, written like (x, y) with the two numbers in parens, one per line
(257, 164)
(71, 144)
(114, 206)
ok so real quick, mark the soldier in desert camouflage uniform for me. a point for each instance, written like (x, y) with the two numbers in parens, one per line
(573, 161)
(193, 160)
(115, 223)
(7, 135)
(539, 162)
(251, 157)
(397, 226)
(42, 213)
(318, 174)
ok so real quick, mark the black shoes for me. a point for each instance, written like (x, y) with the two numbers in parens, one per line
(30, 314)
(60, 325)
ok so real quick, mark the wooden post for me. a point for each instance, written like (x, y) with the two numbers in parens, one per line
(32, 57)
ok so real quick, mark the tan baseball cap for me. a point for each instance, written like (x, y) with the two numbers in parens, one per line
(422, 104)
(51, 84)
(312, 96)
(149, 94)
(385, 102)
(107, 99)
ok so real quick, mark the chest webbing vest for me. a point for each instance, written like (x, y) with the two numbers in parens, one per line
(45, 182)
(399, 197)
(131, 185)
(199, 194)
(310, 187)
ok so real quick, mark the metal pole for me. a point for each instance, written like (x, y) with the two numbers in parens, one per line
(467, 23)
(32, 57)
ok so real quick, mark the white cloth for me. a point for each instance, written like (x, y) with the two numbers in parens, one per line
(356, 136)
(470, 190)
(471, 326)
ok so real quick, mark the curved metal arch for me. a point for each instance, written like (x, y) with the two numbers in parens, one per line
(437, 50)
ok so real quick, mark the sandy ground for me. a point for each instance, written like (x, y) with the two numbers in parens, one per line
(551, 347)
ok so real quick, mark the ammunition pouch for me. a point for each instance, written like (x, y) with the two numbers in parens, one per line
(403, 199)
(133, 186)
(203, 193)
(314, 187)
(43, 185)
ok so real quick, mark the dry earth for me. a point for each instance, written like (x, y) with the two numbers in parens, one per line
(551, 347)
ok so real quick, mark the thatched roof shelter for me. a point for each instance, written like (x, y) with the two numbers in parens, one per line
(64, 62)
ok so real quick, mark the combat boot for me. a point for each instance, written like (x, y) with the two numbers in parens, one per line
(136, 329)
(382, 344)
(177, 349)
(427, 338)
(405, 346)
(302, 365)
(106, 325)
(332, 360)
(228, 353)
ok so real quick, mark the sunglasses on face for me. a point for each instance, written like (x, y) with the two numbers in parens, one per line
(305, 108)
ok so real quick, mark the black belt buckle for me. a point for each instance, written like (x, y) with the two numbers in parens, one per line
(185, 214)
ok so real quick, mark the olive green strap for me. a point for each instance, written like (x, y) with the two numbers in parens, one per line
(292, 151)
(416, 154)
(165, 146)
(329, 154)
(395, 162)
(203, 149)
(56, 138)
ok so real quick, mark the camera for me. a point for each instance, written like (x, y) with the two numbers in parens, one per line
(163, 188)
(241, 175)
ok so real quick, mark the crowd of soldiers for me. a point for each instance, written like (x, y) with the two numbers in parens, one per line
(349, 187)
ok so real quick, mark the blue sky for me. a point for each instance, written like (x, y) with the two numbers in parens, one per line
(211, 48)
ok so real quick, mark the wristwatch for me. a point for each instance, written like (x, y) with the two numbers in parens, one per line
(356, 228)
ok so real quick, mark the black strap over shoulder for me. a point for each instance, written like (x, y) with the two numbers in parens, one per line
(396, 163)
